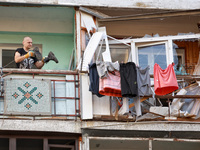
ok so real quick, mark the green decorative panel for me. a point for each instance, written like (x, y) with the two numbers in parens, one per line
(27, 96)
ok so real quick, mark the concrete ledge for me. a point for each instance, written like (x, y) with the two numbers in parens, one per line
(41, 125)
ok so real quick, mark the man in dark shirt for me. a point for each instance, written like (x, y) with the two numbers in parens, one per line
(26, 59)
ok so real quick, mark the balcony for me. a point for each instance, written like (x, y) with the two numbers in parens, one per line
(40, 94)
(24, 92)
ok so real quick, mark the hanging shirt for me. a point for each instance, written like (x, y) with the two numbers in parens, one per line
(128, 75)
(110, 85)
(143, 81)
(164, 80)
(104, 67)
(94, 80)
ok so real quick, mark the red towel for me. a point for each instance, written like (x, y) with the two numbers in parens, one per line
(165, 81)
(111, 85)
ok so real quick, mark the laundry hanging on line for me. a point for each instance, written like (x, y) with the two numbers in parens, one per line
(128, 75)
(165, 81)
(94, 80)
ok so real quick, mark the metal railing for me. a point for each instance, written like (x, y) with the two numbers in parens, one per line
(75, 106)
(76, 97)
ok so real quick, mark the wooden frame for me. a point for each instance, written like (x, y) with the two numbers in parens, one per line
(60, 146)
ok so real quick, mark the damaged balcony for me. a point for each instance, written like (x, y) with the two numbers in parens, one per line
(39, 94)
(180, 105)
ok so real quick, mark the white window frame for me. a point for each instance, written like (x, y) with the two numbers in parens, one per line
(151, 44)
(155, 40)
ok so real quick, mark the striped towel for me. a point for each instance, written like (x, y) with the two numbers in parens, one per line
(111, 85)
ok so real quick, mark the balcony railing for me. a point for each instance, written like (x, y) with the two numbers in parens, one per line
(63, 91)
(66, 103)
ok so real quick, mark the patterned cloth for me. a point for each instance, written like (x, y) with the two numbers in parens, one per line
(111, 85)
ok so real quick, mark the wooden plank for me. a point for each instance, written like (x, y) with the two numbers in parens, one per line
(45, 144)
(141, 100)
(12, 143)
(191, 53)
(61, 146)
(86, 97)
(161, 111)
(153, 15)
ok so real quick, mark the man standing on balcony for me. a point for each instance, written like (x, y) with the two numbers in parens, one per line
(25, 58)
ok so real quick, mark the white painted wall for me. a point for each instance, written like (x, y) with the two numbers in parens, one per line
(101, 106)
(155, 4)
(86, 98)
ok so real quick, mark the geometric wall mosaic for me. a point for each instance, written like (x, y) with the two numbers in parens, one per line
(27, 96)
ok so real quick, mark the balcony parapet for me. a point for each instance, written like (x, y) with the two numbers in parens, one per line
(39, 71)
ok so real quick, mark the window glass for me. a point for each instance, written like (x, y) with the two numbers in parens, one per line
(179, 60)
(149, 55)
(143, 60)
(8, 58)
(29, 144)
(4, 144)
(119, 53)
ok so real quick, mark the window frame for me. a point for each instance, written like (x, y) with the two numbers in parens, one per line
(167, 52)
(11, 48)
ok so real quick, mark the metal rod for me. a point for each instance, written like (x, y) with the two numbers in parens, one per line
(79, 102)
(75, 95)
(144, 139)
(66, 80)
(66, 97)
(39, 71)
(177, 96)
(54, 94)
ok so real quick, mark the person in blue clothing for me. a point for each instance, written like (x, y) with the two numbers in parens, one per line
(26, 58)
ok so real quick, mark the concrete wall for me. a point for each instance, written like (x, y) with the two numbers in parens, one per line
(41, 125)
(155, 4)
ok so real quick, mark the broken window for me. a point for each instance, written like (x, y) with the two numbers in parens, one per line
(118, 53)
(149, 55)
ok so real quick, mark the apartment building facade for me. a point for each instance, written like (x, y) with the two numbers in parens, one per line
(52, 108)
